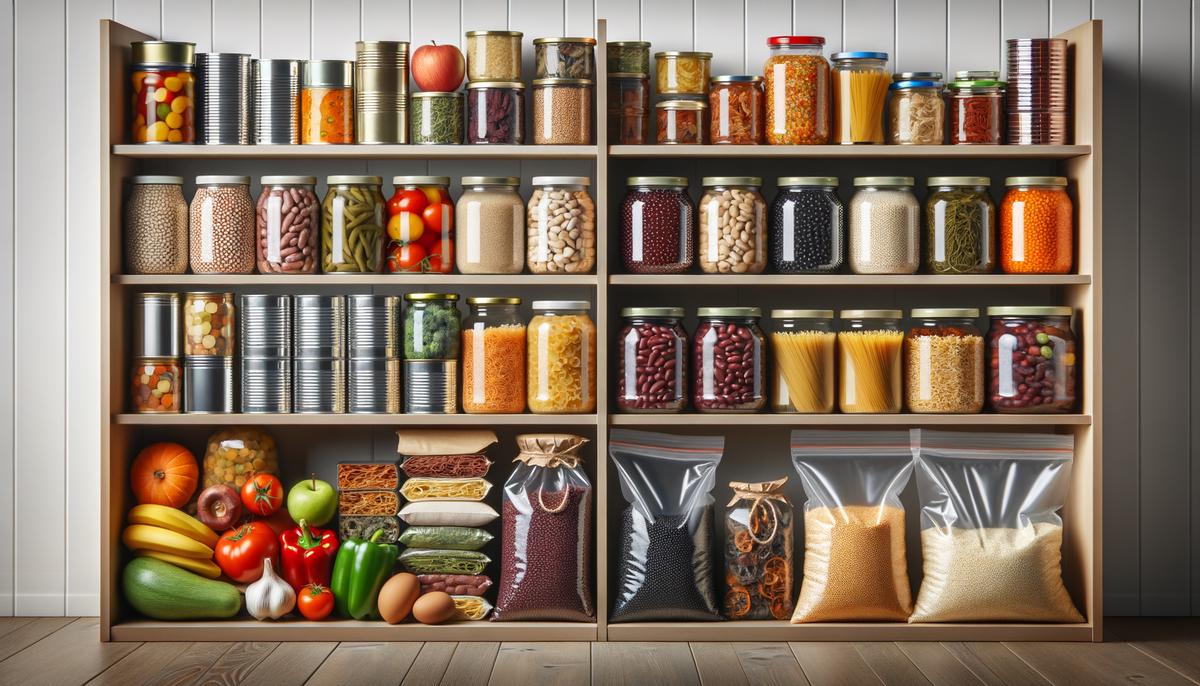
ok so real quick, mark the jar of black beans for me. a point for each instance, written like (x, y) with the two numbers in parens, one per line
(495, 112)
(807, 226)
(658, 225)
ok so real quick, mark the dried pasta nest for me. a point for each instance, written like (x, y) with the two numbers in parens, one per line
(452, 466)
(353, 476)
(471, 607)
(368, 503)
(417, 489)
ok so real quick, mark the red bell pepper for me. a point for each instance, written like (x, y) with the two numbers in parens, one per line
(307, 555)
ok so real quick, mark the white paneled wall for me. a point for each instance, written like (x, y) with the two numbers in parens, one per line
(49, 420)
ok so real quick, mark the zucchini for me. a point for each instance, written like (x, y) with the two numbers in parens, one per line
(163, 591)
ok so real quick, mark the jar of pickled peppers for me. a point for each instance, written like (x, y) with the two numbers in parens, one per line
(1036, 226)
(326, 101)
(163, 97)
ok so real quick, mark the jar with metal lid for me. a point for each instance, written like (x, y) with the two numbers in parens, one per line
(208, 324)
(437, 118)
(652, 360)
(432, 326)
(916, 111)
(658, 225)
(164, 97)
(629, 56)
(493, 56)
(562, 111)
(495, 112)
(802, 345)
(1037, 226)
(733, 225)
(796, 77)
(976, 111)
(156, 226)
(682, 73)
(561, 349)
(420, 225)
(352, 218)
(728, 360)
(681, 122)
(943, 365)
(221, 226)
(869, 347)
(1033, 360)
(326, 101)
(860, 87)
(288, 218)
(960, 225)
(885, 226)
(560, 226)
(564, 58)
(156, 385)
(491, 226)
(628, 108)
(808, 226)
(493, 357)
(735, 104)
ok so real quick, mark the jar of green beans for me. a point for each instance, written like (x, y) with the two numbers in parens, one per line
(960, 225)
(352, 220)
(437, 118)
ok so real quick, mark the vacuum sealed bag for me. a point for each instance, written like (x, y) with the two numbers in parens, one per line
(758, 551)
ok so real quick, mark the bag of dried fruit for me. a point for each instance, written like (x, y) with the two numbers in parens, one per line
(758, 551)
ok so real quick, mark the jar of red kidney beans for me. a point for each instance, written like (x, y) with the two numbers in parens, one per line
(495, 112)
(728, 360)
(658, 225)
(652, 360)
(1032, 360)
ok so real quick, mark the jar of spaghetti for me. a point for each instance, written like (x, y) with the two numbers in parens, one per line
(885, 229)
(802, 345)
(658, 225)
(796, 77)
(916, 111)
(808, 226)
(735, 104)
(976, 108)
(943, 362)
(164, 103)
(869, 359)
(681, 122)
(1037, 233)
(728, 360)
(561, 349)
(493, 355)
(628, 108)
(960, 225)
(860, 87)
(733, 226)
(155, 386)
(652, 360)
(682, 73)
(1032, 360)
(327, 101)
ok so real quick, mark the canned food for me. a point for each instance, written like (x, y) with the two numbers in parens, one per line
(319, 385)
(373, 386)
(373, 325)
(430, 386)
(381, 92)
(156, 325)
(266, 325)
(319, 326)
(266, 385)
(208, 385)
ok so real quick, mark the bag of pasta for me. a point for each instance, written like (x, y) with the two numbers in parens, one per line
(855, 568)
(546, 540)
(991, 537)
(758, 551)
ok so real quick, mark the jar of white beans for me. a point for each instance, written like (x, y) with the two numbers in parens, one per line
(884, 226)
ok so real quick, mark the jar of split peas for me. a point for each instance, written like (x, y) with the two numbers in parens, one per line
(163, 92)
(326, 101)
(1036, 226)
(796, 77)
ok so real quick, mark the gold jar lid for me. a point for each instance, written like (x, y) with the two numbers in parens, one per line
(490, 181)
(686, 54)
(728, 312)
(411, 297)
(565, 39)
(755, 181)
(691, 105)
(475, 85)
(353, 180)
(493, 301)
(151, 53)
(510, 34)
(883, 181)
(1030, 311)
(945, 312)
(673, 312)
(656, 181)
(959, 181)
(420, 180)
(807, 181)
(870, 314)
(1036, 181)
(801, 314)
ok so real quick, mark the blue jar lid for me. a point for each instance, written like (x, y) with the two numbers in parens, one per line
(859, 56)
(914, 84)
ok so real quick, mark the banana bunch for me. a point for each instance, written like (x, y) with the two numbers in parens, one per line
(172, 536)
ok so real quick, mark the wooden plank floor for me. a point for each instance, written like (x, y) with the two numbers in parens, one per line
(64, 651)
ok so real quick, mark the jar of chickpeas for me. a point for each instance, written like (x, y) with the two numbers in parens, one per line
(235, 455)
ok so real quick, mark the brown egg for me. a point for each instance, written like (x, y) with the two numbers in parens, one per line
(434, 607)
(397, 596)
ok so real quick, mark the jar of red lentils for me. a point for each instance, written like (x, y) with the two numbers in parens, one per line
(1036, 226)
(658, 225)
(735, 106)
(796, 80)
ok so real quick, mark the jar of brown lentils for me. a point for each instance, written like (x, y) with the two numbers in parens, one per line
(221, 226)
(156, 226)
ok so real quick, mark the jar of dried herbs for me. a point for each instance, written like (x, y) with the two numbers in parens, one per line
(629, 56)
(437, 118)
(916, 113)
(736, 104)
(564, 58)
(960, 225)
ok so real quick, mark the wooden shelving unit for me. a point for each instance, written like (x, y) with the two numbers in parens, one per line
(123, 434)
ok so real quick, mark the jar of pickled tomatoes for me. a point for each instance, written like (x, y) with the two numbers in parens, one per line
(163, 92)
(796, 77)
(1036, 226)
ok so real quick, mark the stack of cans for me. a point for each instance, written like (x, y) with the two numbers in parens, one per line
(1037, 91)
(208, 349)
(265, 339)
(223, 98)
(373, 326)
(276, 86)
(156, 330)
(319, 354)
(381, 92)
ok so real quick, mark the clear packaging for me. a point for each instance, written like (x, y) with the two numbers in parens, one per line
(916, 112)
(802, 345)
(494, 55)
(496, 112)
(758, 551)
(235, 455)
(870, 347)
(1032, 360)
(493, 354)
(681, 122)
(419, 488)
(885, 226)
(445, 537)
(432, 326)
(729, 364)
(352, 220)
(156, 226)
(560, 226)
(564, 58)
(960, 225)
(652, 360)
(628, 108)
(421, 224)
(458, 466)
(221, 226)
(943, 362)
(807, 226)
(455, 584)
(434, 561)
(796, 77)
(733, 226)
(561, 350)
(860, 88)
(685, 73)
(471, 608)
(562, 111)
(735, 104)
(288, 219)
(658, 225)
(490, 222)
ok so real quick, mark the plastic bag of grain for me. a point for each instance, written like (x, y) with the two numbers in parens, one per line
(991, 537)
(855, 567)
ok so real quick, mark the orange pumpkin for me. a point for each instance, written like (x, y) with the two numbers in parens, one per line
(164, 474)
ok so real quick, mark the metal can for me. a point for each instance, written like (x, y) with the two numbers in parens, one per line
(318, 385)
(430, 386)
(373, 385)
(373, 325)
(276, 88)
(381, 92)
(208, 385)
(223, 98)
(265, 327)
(266, 385)
(156, 325)
(319, 326)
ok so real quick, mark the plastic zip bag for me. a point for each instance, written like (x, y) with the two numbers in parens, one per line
(758, 551)
(445, 537)
(433, 561)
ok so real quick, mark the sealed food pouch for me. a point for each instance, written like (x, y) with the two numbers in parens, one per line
(855, 568)
(412, 442)
(665, 565)
(758, 551)
(991, 537)
(546, 539)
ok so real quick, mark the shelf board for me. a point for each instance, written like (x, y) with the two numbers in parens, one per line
(349, 630)
(423, 280)
(849, 280)
(1055, 152)
(348, 152)
(357, 419)
(829, 631)
(903, 419)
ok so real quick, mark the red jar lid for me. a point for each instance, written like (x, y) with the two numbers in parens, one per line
(796, 40)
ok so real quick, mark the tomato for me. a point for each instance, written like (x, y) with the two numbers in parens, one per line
(315, 602)
(411, 200)
(263, 494)
(436, 263)
(405, 227)
(428, 240)
(432, 214)
(436, 195)
(405, 258)
(393, 203)
(240, 552)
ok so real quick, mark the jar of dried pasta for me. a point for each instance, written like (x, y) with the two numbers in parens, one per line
(735, 104)
(869, 359)
(860, 88)
(917, 112)
(681, 122)
(493, 357)
(802, 346)
(494, 55)
(943, 362)
(561, 349)
(796, 77)
(682, 73)
(733, 225)
(326, 101)
(562, 111)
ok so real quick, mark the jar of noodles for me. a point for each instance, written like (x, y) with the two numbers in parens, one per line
(326, 101)
(802, 345)
(652, 360)
(943, 362)
(960, 225)
(976, 108)
(869, 350)
(916, 111)
(885, 229)
(860, 87)
(796, 77)
(735, 105)
(681, 122)
(728, 360)
(733, 226)
(235, 455)
(561, 350)
(1037, 229)
(493, 357)
(682, 73)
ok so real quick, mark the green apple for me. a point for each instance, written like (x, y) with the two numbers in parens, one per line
(312, 500)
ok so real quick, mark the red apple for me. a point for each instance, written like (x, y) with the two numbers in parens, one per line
(438, 67)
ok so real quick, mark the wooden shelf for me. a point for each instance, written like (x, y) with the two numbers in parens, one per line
(423, 280)
(723, 280)
(784, 631)
(356, 152)
(1049, 152)
(447, 420)
(905, 419)
(348, 630)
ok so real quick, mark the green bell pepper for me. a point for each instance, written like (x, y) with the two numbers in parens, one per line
(359, 571)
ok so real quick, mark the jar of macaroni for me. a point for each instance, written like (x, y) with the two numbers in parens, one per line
(561, 347)
(493, 357)
(916, 111)
(943, 362)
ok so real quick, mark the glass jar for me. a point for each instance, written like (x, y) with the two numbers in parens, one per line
(562, 111)
(493, 354)
(495, 113)
(288, 218)
(232, 456)
(562, 357)
(884, 226)
(733, 225)
(869, 352)
(629, 56)
(326, 101)
(208, 324)
(493, 56)
(943, 364)
(155, 385)
(163, 97)
(432, 326)
(437, 118)
(728, 360)
(561, 226)
(960, 225)
(491, 226)
(916, 111)
(221, 226)
(156, 226)
(564, 58)
(860, 87)
(658, 222)
(802, 345)
(352, 218)
(976, 111)
(736, 107)
(682, 73)
(1033, 360)
(808, 226)
(420, 225)
(652, 360)
(796, 77)
(1037, 226)
(628, 108)
(681, 122)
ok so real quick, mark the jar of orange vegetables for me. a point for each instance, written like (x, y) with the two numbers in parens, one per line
(1036, 226)
(327, 101)
(493, 357)
(561, 354)
(796, 77)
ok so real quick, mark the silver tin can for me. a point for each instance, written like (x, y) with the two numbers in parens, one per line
(157, 326)
(381, 92)
(266, 386)
(319, 326)
(373, 325)
(265, 325)
(318, 385)
(223, 98)
(431, 386)
(208, 385)
(276, 115)
(373, 385)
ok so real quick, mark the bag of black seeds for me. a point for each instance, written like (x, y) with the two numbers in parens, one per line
(758, 551)
(665, 567)
(546, 542)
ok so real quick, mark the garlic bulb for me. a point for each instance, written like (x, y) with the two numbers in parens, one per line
(270, 596)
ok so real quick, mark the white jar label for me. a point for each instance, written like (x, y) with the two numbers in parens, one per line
(339, 227)
(274, 221)
(206, 230)
(474, 232)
